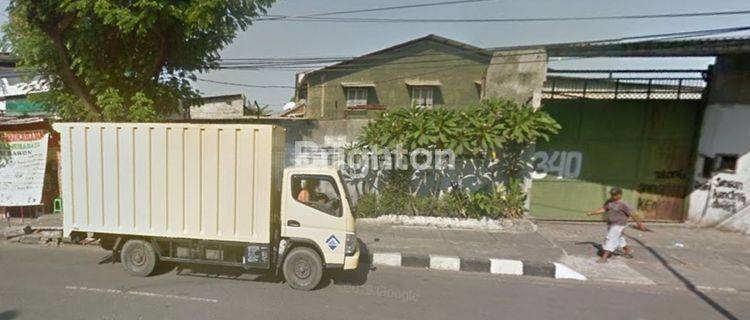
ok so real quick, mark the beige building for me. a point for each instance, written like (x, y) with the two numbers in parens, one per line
(219, 107)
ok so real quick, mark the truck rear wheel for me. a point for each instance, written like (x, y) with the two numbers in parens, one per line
(303, 268)
(138, 257)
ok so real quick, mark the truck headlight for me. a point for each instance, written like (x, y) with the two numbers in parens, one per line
(351, 244)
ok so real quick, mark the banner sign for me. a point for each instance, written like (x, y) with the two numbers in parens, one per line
(23, 157)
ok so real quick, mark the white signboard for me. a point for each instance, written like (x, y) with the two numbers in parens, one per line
(23, 156)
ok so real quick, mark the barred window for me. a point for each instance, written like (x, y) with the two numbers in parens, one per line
(421, 96)
(356, 96)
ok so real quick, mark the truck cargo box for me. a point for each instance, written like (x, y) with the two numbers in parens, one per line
(180, 180)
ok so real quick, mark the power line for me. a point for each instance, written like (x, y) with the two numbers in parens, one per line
(420, 5)
(365, 61)
(411, 75)
(316, 18)
(371, 60)
(247, 85)
(388, 79)
(278, 62)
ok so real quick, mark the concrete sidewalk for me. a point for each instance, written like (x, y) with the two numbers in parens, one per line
(678, 255)
(675, 255)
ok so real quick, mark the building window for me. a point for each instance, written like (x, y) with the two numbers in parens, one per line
(721, 163)
(421, 96)
(356, 96)
(727, 162)
(708, 167)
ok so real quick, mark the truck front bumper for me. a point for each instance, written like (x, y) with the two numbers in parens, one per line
(351, 262)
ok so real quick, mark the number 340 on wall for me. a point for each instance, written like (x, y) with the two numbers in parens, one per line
(562, 164)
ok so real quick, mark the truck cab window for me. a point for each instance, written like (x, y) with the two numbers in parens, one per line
(319, 192)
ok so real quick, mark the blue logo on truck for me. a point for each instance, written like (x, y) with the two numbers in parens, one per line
(332, 242)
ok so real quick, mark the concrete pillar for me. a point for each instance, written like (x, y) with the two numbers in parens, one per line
(720, 195)
(517, 76)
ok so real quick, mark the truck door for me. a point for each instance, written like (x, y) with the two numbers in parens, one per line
(313, 210)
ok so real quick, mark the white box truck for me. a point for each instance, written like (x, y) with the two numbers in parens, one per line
(204, 194)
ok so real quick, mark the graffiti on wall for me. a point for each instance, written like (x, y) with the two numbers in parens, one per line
(561, 164)
(653, 205)
(645, 204)
(724, 194)
(728, 195)
(671, 187)
(664, 195)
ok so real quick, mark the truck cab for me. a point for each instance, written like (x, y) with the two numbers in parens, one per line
(316, 214)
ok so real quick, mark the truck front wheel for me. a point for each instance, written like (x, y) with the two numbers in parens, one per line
(303, 268)
(138, 258)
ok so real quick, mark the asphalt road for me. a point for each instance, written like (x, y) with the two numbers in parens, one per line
(70, 283)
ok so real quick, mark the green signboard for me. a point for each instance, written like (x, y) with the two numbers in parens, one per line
(23, 107)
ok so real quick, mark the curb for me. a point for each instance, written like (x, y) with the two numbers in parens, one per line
(484, 265)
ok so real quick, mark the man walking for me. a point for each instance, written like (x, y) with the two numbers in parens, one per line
(618, 213)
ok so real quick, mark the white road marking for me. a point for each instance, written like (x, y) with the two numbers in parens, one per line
(93, 289)
(141, 293)
(724, 289)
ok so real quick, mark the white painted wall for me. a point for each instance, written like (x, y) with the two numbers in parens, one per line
(723, 200)
(229, 107)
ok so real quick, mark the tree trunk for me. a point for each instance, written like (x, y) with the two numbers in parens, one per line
(67, 75)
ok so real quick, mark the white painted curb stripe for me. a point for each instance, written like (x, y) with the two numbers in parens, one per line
(445, 263)
(497, 266)
(503, 266)
(564, 272)
(386, 259)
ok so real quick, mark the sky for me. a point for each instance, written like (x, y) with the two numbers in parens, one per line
(283, 39)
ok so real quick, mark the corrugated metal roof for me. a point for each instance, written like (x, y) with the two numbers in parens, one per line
(654, 48)
(693, 47)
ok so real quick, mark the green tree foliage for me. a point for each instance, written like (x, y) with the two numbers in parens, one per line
(474, 131)
(116, 60)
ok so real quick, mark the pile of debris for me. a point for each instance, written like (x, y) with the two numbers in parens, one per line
(45, 230)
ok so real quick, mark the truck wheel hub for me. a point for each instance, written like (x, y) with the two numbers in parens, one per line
(138, 257)
(302, 269)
